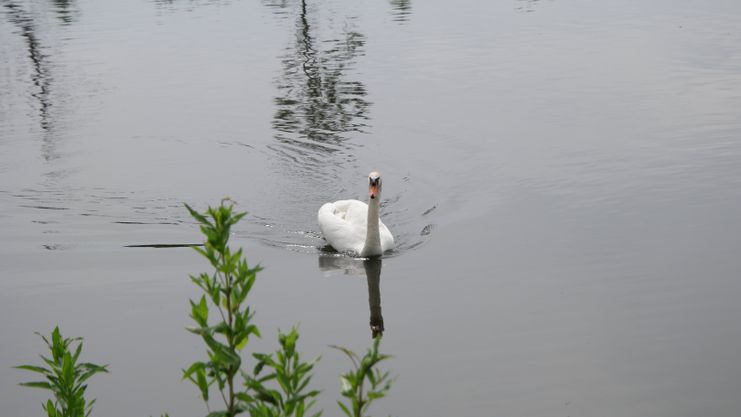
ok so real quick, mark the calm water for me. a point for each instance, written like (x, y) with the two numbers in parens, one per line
(563, 179)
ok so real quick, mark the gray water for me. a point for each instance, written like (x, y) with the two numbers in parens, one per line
(563, 179)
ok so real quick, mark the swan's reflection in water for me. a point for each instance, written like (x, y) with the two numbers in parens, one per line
(373, 274)
(371, 267)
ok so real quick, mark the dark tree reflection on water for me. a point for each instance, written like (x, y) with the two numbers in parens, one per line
(322, 114)
(401, 10)
(279, 6)
(188, 6)
(526, 6)
(40, 71)
(64, 11)
(41, 78)
(317, 107)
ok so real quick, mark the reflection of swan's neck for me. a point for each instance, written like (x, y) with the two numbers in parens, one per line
(373, 237)
(373, 273)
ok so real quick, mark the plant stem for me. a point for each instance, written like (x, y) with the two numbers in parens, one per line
(360, 398)
(230, 339)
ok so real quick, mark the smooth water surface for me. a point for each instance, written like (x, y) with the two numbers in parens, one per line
(563, 179)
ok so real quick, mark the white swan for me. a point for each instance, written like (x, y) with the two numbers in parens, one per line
(354, 227)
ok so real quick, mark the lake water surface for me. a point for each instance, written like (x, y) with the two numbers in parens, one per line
(563, 179)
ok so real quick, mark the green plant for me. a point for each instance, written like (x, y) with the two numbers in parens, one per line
(227, 288)
(353, 382)
(280, 391)
(65, 377)
(292, 376)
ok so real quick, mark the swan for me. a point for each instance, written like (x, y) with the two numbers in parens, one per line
(354, 227)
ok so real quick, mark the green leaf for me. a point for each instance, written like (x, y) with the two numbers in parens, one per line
(243, 396)
(77, 353)
(39, 384)
(350, 354)
(32, 368)
(303, 384)
(56, 338)
(344, 409)
(237, 217)
(199, 311)
(192, 369)
(202, 383)
(222, 352)
(93, 367)
(300, 409)
(268, 396)
(198, 216)
(51, 411)
(375, 395)
(242, 343)
(90, 408)
(84, 376)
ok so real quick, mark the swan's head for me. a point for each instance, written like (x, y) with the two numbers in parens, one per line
(374, 185)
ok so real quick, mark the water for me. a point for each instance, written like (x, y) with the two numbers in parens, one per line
(563, 180)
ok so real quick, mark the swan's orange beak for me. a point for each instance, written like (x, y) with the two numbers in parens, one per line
(373, 191)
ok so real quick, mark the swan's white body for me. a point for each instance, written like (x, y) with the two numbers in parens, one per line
(353, 227)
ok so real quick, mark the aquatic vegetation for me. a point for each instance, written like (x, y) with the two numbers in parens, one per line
(353, 381)
(226, 288)
(292, 377)
(277, 385)
(64, 377)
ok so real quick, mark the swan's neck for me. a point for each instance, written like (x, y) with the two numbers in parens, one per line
(373, 237)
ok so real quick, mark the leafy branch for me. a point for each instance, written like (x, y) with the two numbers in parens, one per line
(278, 385)
(364, 369)
(65, 377)
(226, 288)
(292, 377)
